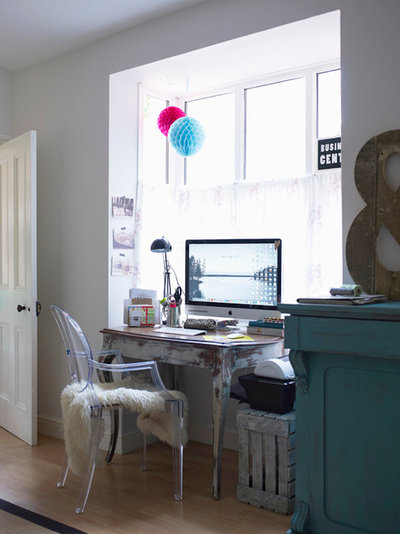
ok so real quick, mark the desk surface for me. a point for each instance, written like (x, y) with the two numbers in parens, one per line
(149, 333)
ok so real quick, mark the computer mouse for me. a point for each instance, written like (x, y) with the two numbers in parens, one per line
(235, 336)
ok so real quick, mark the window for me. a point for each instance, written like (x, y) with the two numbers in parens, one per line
(215, 162)
(255, 176)
(329, 104)
(275, 131)
(155, 146)
(253, 133)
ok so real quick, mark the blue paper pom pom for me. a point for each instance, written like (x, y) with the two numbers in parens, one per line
(186, 136)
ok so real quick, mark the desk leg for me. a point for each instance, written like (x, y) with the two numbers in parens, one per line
(221, 391)
(174, 376)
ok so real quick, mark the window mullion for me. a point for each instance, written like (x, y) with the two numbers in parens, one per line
(239, 135)
(176, 163)
(139, 168)
(143, 93)
(311, 121)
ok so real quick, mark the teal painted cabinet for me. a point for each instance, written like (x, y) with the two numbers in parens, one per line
(347, 364)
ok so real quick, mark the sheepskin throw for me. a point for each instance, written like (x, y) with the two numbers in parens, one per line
(149, 405)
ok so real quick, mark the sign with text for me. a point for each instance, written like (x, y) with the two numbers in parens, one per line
(330, 153)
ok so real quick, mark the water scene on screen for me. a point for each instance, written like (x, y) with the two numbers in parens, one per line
(233, 273)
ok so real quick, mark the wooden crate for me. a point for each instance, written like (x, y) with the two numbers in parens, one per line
(267, 460)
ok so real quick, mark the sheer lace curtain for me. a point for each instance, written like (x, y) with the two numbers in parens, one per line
(304, 212)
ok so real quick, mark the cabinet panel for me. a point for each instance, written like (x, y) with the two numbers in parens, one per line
(355, 440)
(348, 431)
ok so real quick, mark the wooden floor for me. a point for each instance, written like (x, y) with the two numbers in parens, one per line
(125, 500)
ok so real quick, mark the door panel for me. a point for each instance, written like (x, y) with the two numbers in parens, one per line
(21, 352)
(18, 329)
(4, 226)
(4, 367)
(20, 222)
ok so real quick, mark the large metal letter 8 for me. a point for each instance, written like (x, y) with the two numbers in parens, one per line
(383, 209)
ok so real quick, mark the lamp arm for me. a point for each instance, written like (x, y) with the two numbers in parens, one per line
(167, 281)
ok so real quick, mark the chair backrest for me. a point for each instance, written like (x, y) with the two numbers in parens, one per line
(76, 345)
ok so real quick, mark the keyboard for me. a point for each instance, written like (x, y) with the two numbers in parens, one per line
(179, 331)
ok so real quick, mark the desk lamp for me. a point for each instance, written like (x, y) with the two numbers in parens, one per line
(163, 246)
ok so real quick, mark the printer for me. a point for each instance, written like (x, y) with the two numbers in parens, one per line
(272, 386)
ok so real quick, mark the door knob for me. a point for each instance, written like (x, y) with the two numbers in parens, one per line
(20, 308)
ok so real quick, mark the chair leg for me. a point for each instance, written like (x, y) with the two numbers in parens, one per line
(143, 467)
(114, 420)
(64, 472)
(92, 453)
(177, 464)
(175, 408)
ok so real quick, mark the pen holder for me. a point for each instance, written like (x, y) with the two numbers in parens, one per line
(173, 315)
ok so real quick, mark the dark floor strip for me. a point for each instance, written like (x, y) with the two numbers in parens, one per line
(37, 519)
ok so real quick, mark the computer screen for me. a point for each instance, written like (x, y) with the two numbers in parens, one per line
(238, 278)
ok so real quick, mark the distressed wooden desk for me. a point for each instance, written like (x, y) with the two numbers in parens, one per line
(222, 358)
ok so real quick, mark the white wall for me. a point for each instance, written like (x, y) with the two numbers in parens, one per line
(122, 175)
(5, 104)
(66, 101)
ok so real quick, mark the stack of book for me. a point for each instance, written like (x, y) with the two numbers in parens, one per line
(270, 326)
(344, 300)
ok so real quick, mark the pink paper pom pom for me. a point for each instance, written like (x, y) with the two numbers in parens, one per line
(167, 117)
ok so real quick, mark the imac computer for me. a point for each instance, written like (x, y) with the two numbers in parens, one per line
(233, 278)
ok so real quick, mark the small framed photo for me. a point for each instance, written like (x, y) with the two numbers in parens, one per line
(123, 237)
(122, 207)
(122, 264)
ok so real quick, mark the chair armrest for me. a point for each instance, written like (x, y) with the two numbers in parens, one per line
(150, 365)
(107, 356)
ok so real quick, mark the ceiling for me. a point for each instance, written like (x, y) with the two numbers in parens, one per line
(35, 30)
(311, 41)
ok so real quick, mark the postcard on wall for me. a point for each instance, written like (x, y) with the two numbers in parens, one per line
(122, 207)
(122, 263)
(123, 237)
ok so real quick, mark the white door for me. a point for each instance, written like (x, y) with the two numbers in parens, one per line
(18, 288)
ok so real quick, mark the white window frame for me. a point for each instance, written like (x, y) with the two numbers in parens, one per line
(239, 112)
(309, 73)
(176, 166)
(172, 168)
(316, 101)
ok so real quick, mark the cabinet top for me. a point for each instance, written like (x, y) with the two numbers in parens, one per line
(386, 311)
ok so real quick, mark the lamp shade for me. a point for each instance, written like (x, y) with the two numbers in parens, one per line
(161, 245)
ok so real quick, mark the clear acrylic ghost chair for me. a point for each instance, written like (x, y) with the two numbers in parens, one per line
(94, 382)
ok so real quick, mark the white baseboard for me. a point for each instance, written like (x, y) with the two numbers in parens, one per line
(51, 427)
(204, 434)
(130, 441)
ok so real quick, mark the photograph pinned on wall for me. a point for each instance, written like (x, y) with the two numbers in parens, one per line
(123, 237)
(122, 207)
(122, 264)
